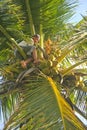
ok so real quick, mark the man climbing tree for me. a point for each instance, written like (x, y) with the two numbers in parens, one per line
(30, 50)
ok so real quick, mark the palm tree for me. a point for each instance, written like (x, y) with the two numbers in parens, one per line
(32, 97)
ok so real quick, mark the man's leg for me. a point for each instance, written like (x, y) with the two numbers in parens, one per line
(35, 55)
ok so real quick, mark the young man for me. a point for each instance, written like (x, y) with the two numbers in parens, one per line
(31, 51)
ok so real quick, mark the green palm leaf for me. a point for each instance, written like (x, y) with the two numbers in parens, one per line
(81, 39)
(66, 71)
(12, 40)
(42, 107)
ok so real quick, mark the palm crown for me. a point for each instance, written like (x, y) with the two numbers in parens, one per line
(36, 98)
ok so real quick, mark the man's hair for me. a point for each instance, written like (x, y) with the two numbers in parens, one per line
(36, 35)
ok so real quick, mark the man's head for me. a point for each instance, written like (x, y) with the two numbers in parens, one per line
(36, 38)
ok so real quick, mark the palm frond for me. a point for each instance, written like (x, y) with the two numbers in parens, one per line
(66, 71)
(71, 46)
(12, 40)
(40, 94)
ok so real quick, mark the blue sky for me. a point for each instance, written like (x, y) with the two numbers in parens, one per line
(80, 9)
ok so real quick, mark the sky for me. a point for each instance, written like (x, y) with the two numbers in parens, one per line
(81, 118)
(80, 9)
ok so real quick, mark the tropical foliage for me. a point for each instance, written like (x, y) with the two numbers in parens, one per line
(44, 96)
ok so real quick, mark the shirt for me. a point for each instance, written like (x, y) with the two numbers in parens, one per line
(28, 48)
